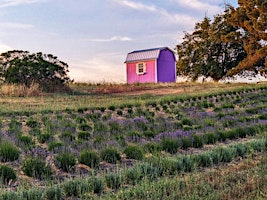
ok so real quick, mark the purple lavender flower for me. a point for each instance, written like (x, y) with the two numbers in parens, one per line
(172, 135)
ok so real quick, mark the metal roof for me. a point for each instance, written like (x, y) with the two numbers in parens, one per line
(146, 54)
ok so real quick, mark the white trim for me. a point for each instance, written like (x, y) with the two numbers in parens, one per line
(156, 71)
(137, 68)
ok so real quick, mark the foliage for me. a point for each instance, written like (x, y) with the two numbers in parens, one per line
(134, 152)
(8, 152)
(7, 174)
(204, 53)
(250, 17)
(110, 155)
(65, 161)
(22, 67)
(89, 158)
(36, 167)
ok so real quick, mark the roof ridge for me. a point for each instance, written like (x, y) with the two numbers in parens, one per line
(152, 49)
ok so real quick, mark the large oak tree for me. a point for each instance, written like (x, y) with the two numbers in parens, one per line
(205, 53)
(251, 18)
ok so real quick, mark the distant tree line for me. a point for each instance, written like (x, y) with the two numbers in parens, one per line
(231, 43)
(22, 67)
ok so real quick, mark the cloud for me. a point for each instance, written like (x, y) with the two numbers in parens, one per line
(8, 3)
(136, 6)
(200, 6)
(111, 39)
(16, 25)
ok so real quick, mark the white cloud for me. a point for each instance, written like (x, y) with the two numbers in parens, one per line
(200, 6)
(16, 25)
(136, 6)
(111, 39)
(8, 3)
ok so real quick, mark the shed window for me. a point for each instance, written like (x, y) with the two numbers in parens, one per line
(141, 68)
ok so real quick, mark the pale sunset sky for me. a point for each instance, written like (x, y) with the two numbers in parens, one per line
(94, 36)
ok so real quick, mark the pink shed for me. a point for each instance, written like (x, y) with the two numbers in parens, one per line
(151, 66)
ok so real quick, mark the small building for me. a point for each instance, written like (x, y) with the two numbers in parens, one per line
(151, 66)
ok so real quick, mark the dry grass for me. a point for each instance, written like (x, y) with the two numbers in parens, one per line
(16, 90)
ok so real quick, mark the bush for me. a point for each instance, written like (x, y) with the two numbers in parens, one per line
(7, 174)
(89, 158)
(134, 152)
(84, 135)
(186, 142)
(53, 193)
(152, 147)
(170, 145)
(32, 123)
(65, 161)
(53, 145)
(198, 141)
(8, 152)
(36, 167)
(210, 138)
(85, 127)
(75, 188)
(44, 137)
(110, 155)
(114, 181)
(97, 185)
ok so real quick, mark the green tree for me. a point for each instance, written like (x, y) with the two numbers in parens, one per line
(204, 53)
(21, 67)
(251, 18)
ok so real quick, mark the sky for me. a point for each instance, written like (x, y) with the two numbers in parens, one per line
(94, 36)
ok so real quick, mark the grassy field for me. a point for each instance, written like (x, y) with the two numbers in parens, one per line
(142, 141)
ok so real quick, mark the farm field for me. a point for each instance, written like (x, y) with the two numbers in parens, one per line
(166, 141)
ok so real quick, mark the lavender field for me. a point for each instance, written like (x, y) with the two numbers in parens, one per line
(146, 147)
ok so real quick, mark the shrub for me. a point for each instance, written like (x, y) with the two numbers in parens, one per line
(8, 152)
(32, 123)
(134, 152)
(198, 141)
(112, 108)
(114, 181)
(36, 167)
(75, 188)
(53, 145)
(97, 185)
(33, 194)
(44, 137)
(10, 195)
(210, 138)
(65, 161)
(110, 155)
(187, 122)
(53, 193)
(186, 142)
(149, 133)
(7, 174)
(152, 147)
(26, 140)
(85, 127)
(170, 145)
(84, 135)
(89, 158)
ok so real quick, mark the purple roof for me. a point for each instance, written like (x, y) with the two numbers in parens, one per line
(147, 54)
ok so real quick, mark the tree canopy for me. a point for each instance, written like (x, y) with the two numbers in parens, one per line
(204, 53)
(232, 43)
(251, 18)
(25, 68)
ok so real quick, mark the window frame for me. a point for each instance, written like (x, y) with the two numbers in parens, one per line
(138, 67)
